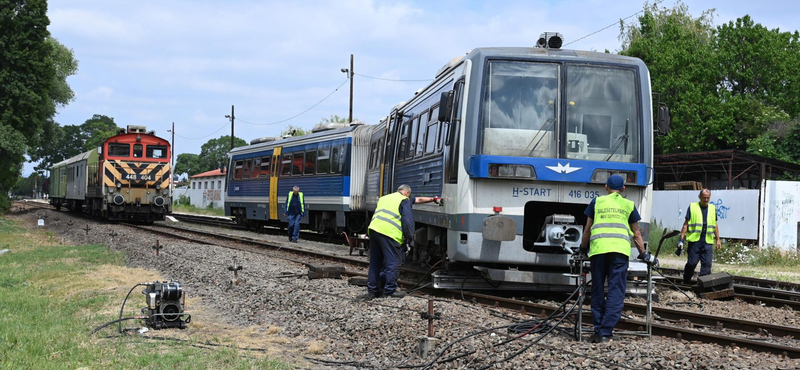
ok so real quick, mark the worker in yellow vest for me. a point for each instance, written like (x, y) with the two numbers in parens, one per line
(390, 234)
(702, 229)
(612, 223)
(295, 210)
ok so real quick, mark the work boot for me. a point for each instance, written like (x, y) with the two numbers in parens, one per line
(368, 297)
(397, 294)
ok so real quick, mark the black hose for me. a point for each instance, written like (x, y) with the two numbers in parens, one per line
(116, 321)
(123, 305)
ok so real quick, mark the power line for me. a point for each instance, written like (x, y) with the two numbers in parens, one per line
(298, 114)
(203, 137)
(391, 79)
(609, 26)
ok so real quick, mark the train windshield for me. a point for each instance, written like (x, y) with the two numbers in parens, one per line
(520, 111)
(602, 114)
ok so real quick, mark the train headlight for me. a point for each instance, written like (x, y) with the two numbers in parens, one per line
(158, 201)
(110, 190)
(158, 186)
(119, 185)
(119, 200)
(165, 192)
(601, 176)
(515, 171)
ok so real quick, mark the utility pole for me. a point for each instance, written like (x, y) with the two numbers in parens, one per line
(232, 118)
(172, 166)
(351, 89)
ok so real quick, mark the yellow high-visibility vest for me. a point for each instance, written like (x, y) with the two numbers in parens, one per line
(302, 203)
(386, 219)
(696, 223)
(610, 229)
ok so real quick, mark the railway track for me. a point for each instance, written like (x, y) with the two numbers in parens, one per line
(229, 223)
(702, 324)
(705, 328)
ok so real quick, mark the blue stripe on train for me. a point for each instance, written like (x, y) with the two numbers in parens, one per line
(554, 169)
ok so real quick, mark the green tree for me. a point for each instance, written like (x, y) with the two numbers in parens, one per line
(33, 71)
(214, 153)
(292, 130)
(96, 130)
(332, 119)
(187, 163)
(677, 49)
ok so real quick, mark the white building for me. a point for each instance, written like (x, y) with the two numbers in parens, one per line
(207, 189)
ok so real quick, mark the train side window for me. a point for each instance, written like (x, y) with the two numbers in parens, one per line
(246, 169)
(423, 125)
(256, 169)
(431, 137)
(311, 162)
(334, 158)
(412, 146)
(119, 150)
(137, 150)
(297, 164)
(342, 157)
(381, 150)
(324, 159)
(265, 161)
(401, 150)
(156, 151)
(286, 165)
(373, 154)
(236, 174)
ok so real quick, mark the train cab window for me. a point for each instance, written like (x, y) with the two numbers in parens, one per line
(324, 159)
(286, 164)
(423, 129)
(237, 173)
(137, 150)
(119, 150)
(156, 151)
(311, 162)
(412, 139)
(297, 164)
(265, 162)
(256, 168)
(246, 168)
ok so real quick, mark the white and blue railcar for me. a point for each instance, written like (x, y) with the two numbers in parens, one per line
(262, 174)
(517, 141)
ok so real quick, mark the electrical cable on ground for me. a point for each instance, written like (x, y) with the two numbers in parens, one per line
(123, 304)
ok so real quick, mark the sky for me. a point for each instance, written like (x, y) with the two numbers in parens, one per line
(279, 63)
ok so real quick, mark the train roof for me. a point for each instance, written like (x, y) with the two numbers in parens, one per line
(295, 140)
(74, 159)
(556, 53)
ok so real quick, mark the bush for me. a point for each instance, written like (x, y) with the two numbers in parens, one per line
(5, 203)
(656, 232)
(183, 200)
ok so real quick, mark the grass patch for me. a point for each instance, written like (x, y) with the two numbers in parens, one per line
(188, 208)
(52, 296)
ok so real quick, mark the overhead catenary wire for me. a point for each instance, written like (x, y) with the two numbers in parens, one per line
(394, 79)
(298, 114)
(203, 137)
(610, 25)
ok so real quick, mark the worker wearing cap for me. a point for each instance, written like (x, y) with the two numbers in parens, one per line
(703, 231)
(612, 222)
(390, 234)
(295, 210)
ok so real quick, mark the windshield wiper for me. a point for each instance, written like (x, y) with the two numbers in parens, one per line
(546, 122)
(622, 139)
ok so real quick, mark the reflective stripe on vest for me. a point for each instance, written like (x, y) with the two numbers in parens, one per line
(386, 219)
(302, 203)
(696, 223)
(610, 230)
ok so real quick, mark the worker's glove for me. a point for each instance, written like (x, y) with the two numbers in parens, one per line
(406, 248)
(680, 248)
(648, 258)
(438, 200)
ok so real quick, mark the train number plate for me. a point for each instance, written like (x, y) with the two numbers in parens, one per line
(138, 177)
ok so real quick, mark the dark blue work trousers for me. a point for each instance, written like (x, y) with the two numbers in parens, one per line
(698, 251)
(294, 226)
(385, 259)
(607, 308)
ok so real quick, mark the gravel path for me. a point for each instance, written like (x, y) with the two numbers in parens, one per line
(383, 333)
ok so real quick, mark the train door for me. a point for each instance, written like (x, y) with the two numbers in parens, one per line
(392, 130)
(273, 183)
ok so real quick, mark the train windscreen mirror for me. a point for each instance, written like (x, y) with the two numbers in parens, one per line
(446, 106)
(663, 119)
